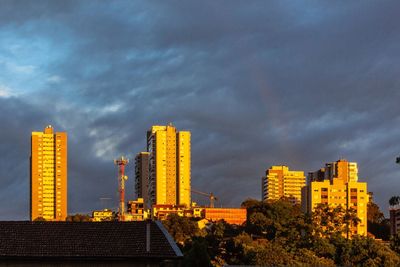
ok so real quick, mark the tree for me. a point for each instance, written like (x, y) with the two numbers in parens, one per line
(78, 218)
(329, 220)
(40, 219)
(394, 200)
(196, 253)
(377, 224)
(182, 229)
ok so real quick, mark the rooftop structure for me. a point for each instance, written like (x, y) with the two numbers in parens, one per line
(139, 243)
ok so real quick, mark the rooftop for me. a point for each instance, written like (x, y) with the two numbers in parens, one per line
(125, 240)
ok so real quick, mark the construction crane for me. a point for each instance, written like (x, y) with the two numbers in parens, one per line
(121, 162)
(209, 195)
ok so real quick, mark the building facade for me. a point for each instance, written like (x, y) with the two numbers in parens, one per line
(280, 182)
(48, 175)
(229, 215)
(142, 176)
(337, 184)
(394, 213)
(169, 166)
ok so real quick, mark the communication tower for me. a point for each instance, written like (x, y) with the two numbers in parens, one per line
(121, 162)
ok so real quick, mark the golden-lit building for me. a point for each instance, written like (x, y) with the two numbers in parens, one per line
(280, 182)
(169, 166)
(142, 176)
(48, 175)
(103, 215)
(136, 210)
(161, 211)
(229, 215)
(337, 184)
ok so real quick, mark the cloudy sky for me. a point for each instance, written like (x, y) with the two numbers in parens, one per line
(257, 83)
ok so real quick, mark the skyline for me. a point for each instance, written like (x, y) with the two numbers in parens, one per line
(258, 85)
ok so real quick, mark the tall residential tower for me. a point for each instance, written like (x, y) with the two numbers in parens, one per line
(169, 166)
(48, 175)
(281, 182)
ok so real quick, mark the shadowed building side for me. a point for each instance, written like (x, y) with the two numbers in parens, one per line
(142, 176)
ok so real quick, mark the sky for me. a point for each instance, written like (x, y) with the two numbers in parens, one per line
(258, 83)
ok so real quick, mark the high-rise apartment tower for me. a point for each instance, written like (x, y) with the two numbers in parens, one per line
(280, 182)
(169, 166)
(142, 176)
(48, 175)
(337, 184)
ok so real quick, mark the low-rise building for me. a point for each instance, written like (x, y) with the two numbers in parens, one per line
(229, 215)
(103, 215)
(136, 210)
(161, 212)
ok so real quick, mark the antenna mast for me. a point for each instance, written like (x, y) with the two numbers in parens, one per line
(121, 162)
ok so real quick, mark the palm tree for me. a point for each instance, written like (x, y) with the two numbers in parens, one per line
(394, 200)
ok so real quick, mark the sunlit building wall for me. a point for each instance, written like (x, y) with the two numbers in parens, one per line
(339, 187)
(48, 175)
(169, 166)
(229, 215)
(280, 182)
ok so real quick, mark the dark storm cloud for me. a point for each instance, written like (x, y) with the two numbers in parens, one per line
(257, 83)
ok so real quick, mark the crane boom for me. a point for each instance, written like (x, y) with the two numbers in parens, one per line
(211, 196)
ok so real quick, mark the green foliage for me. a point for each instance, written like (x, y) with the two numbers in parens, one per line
(377, 224)
(79, 218)
(395, 243)
(195, 253)
(394, 200)
(328, 220)
(182, 229)
(278, 234)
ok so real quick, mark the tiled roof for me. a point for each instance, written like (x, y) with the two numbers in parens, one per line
(86, 240)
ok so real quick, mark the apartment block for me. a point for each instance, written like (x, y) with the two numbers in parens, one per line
(142, 176)
(169, 166)
(337, 184)
(48, 175)
(280, 182)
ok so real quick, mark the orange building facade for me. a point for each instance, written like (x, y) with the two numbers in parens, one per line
(230, 215)
(48, 175)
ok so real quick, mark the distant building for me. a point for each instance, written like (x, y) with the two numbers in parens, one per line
(136, 210)
(48, 175)
(229, 215)
(169, 166)
(87, 244)
(103, 215)
(280, 182)
(337, 184)
(142, 176)
(394, 219)
(161, 211)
